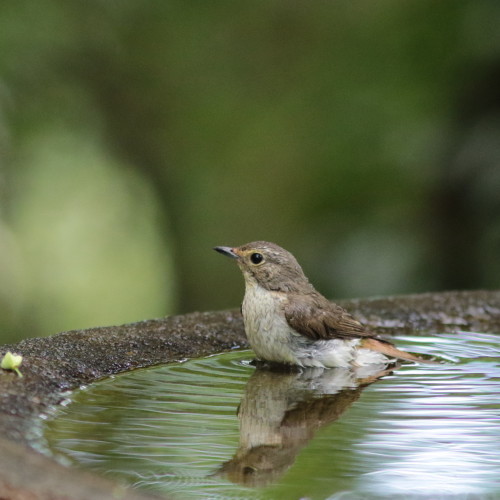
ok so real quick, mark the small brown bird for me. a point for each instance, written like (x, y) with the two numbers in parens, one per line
(288, 321)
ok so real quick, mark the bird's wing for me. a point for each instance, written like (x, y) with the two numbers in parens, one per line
(318, 319)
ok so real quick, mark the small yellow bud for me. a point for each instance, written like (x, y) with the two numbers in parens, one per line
(12, 362)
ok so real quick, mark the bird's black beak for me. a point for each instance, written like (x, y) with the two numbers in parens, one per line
(227, 251)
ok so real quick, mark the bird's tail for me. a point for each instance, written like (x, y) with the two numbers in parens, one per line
(391, 350)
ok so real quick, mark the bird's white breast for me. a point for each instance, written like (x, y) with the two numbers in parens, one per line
(265, 324)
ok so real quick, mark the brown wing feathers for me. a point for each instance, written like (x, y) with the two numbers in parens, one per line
(319, 319)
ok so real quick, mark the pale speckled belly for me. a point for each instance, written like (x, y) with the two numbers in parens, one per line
(265, 325)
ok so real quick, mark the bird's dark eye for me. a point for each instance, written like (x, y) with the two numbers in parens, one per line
(256, 258)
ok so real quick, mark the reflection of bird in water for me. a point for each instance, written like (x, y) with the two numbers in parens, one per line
(280, 412)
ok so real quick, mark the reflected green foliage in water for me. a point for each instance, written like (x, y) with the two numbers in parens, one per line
(426, 429)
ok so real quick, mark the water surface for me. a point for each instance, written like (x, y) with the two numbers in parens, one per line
(423, 430)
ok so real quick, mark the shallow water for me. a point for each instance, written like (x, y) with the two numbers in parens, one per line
(428, 431)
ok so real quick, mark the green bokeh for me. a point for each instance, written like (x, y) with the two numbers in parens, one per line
(135, 136)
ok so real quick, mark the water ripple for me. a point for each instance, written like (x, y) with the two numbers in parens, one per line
(429, 430)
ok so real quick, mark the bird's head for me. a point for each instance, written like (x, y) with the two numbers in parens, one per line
(268, 265)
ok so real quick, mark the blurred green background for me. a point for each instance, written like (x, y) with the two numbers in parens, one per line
(134, 136)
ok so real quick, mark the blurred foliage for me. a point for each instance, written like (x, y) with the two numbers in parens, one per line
(135, 136)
